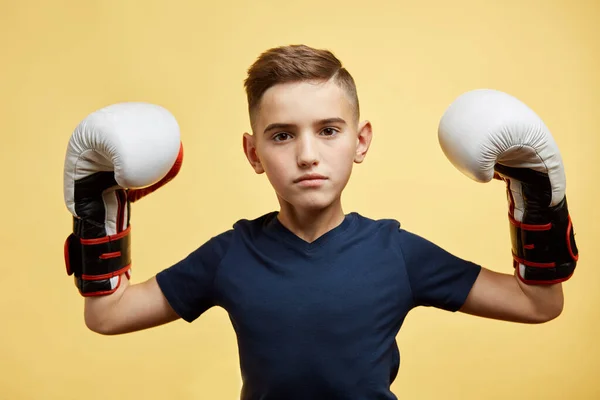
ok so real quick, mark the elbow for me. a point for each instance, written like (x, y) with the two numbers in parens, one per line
(557, 308)
(550, 313)
(555, 313)
(97, 325)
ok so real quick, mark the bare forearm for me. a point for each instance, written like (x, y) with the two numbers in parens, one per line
(131, 308)
(503, 296)
(99, 310)
(548, 300)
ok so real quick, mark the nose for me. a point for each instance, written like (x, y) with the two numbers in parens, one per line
(307, 151)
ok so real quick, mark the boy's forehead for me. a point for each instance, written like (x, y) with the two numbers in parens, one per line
(298, 101)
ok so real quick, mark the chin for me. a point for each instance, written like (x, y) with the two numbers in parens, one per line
(313, 202)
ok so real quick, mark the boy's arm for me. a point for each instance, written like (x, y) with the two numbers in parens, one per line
(132, 307)
(116, 156)
(487, 134)
(505, 297)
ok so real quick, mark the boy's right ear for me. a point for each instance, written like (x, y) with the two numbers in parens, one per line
(249, 145)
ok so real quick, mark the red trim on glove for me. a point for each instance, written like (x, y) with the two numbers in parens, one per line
(66, 250)
(136, 194)
(529, 227)
(550, 282)
(108, 238)
(569, 247)
(105, 276)
(103, 292)
(114, 254)
(534, 264)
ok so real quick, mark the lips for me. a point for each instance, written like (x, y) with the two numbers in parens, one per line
(310, 177)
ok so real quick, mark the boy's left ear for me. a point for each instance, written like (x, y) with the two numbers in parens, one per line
(363, 141)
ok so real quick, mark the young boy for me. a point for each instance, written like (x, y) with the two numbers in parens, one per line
(316, 295)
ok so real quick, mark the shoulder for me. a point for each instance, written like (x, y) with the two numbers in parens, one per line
(383, 225)
(390, 229)
(215, 248)
(243, 227)
(248, 231)
(390, 225)
(256, 224)
(377, 234)
(404, 239)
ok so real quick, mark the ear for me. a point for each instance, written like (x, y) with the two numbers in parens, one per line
(363, 141)
(249, 145)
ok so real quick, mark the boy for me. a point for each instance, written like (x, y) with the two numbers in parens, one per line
(316, 295)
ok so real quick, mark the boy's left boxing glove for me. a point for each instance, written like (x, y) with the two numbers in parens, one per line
(489, 134)
(115, 156)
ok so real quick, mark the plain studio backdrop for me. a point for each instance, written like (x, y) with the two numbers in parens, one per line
(62, 60)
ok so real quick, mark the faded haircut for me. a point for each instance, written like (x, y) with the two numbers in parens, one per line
(295, 63)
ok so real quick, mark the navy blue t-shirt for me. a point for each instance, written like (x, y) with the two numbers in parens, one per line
(317, 320)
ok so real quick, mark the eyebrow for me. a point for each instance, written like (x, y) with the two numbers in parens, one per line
(279, 125)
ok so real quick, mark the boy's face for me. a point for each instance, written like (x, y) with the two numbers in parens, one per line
(306, 139)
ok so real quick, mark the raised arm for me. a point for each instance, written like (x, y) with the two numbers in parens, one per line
(116, 156)
(130, 308)
(505, 297)
(487, 134)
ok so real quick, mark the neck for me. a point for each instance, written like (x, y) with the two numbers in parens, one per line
(310, 224)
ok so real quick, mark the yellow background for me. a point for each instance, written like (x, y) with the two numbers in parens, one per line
(63, 59)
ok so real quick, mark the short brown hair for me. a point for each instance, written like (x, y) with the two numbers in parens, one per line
(294, 63)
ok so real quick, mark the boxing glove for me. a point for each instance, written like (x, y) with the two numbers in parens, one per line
(487, 134)
(115, 156)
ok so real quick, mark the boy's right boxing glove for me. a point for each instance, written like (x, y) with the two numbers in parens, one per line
(115, 156)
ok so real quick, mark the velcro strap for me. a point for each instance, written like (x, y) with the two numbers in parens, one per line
(100, 258)
(98, 288)
(536, 275)
(546, 250)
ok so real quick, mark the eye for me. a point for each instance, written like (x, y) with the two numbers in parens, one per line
(279, 137)
(329, 131)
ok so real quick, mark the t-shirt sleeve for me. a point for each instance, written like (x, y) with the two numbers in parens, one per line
(188, 285)
(437, 277)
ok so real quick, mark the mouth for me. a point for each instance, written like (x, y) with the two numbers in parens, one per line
(310, 177)
(311, 181)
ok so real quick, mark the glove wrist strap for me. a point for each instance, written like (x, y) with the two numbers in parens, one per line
(96, 263)
(544, 251)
